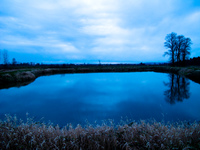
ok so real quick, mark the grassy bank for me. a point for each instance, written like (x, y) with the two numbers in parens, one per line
(22, 76)
(16, 134)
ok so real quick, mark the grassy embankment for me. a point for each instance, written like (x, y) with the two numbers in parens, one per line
(16, 134)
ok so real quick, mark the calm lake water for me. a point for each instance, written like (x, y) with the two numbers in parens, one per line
(75, 98)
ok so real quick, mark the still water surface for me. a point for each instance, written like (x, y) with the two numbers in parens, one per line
(75, 98)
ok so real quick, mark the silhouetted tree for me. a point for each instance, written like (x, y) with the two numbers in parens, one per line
(5, 57)
(185, 51)
(170, 44)
(178, 89)
(179, 46)
(14, 62)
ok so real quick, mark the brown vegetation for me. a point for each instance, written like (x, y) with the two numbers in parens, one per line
(16, 134)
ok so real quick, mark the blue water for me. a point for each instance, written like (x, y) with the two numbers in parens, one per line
(75, 98)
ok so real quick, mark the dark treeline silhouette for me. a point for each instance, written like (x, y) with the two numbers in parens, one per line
(40, 65)
(178, 89)
(193, 61)
(178, 48)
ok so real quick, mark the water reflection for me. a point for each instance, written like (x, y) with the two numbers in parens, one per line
(178, 89)
(75, 98)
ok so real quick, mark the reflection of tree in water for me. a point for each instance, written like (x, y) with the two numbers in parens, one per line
(178, 89)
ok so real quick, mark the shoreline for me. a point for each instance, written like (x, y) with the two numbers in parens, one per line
(21, 77)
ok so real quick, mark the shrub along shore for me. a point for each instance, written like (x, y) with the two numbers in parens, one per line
(16, 134)
(11, 77)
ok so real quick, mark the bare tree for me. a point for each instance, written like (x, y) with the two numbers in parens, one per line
(14, 62)
(185, 52)
(170, 44)
(5, 57)
(179, 46)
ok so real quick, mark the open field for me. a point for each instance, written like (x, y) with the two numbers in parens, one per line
(19, 76)
(16, 134)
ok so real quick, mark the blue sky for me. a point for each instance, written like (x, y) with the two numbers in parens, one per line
(85, 31)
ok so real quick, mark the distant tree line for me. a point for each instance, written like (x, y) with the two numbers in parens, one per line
(178, 48)
(4, 58)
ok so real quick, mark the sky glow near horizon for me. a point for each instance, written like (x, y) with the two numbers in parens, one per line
(85, 31)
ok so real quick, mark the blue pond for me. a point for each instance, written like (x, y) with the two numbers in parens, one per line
(75, 98)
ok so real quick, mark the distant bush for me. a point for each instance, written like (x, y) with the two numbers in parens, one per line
(16, 134)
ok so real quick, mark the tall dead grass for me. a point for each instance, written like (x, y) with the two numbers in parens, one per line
(17, 134)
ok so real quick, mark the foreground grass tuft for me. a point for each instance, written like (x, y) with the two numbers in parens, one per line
(17, 134)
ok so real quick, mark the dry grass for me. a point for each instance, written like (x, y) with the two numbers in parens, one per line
(16, 134)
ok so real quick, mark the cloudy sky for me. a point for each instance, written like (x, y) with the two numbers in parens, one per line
(85, 31)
